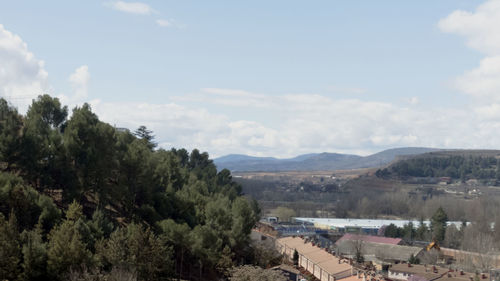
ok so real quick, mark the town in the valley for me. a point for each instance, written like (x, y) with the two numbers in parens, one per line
(356, 249)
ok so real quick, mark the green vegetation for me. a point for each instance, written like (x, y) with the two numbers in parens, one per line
(436, 232)
(462, 167)
(295, 257)
(438, 224)
(413, 260)
(81, 199)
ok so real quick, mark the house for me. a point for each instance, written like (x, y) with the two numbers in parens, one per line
(444, 180)
(416, 272)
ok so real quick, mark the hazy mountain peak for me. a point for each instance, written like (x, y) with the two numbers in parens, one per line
(315, 161)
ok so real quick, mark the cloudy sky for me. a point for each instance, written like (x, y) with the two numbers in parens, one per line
(274, 78)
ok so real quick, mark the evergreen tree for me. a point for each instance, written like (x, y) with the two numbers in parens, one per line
(138, 248)
(90, 146)
(196, 215)
(413, 259)
(422, 231)
(438, 224)
(177, 236)
(34, 252)
(10, 136)
(66, 249)
(392, 231)
(10, 251)
(147, 136)
(295, 257)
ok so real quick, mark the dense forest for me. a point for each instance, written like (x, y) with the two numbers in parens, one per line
(82, 199)
(454, 166)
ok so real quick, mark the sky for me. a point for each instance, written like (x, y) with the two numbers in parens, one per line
(265, 78)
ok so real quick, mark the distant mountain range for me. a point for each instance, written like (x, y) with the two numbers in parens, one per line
(315, 161)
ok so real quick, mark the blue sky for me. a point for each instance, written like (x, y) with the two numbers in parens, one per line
(276, 78)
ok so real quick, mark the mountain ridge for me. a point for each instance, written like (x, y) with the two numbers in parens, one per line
(315, 161)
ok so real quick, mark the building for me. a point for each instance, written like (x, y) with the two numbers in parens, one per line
(291, 229)
(322, 264)
(370, 239)
(470, 259)
(364, 226)
(404, 271)
(379, 254)
(411, 272)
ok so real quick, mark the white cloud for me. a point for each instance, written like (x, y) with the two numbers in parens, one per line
(79, 81)
(227, 97)
(22, 76)
(481, 29)
(348, 90)
(137, 8)
(309, 123)
(414, 100)
(302, 123)
(170, 23)
(483, 82)
(164, 23)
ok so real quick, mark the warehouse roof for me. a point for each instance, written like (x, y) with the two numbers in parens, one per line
(369, 238)
(328, 262)
(381, 251)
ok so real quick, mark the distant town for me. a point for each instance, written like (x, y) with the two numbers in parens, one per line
(357, 249)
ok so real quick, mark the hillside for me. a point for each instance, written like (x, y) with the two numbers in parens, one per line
(455, 164)
(315, 161)
(81, 200)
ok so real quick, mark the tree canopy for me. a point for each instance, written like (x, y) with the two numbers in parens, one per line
(78, 196)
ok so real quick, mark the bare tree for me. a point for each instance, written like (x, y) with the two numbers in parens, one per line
(481, 245)
(357, 249)
(248, 272)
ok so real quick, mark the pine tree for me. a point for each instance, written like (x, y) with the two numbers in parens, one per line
(295, 257)
(10, 251)
(66, 249)
(140, 249)
(438, 224)
(34, 256)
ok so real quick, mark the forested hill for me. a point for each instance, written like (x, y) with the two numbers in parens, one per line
(316, 161)
(456, 164)
(80, 199)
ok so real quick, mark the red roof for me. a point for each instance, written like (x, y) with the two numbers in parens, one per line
(369, 238)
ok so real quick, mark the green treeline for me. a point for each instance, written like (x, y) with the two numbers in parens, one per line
(435, 232)
(453, 166)
(81, 199)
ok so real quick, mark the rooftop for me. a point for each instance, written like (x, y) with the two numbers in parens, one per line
(369, 238)
(366, 223)
(435, 273)
(380, 251)
(325, 260)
